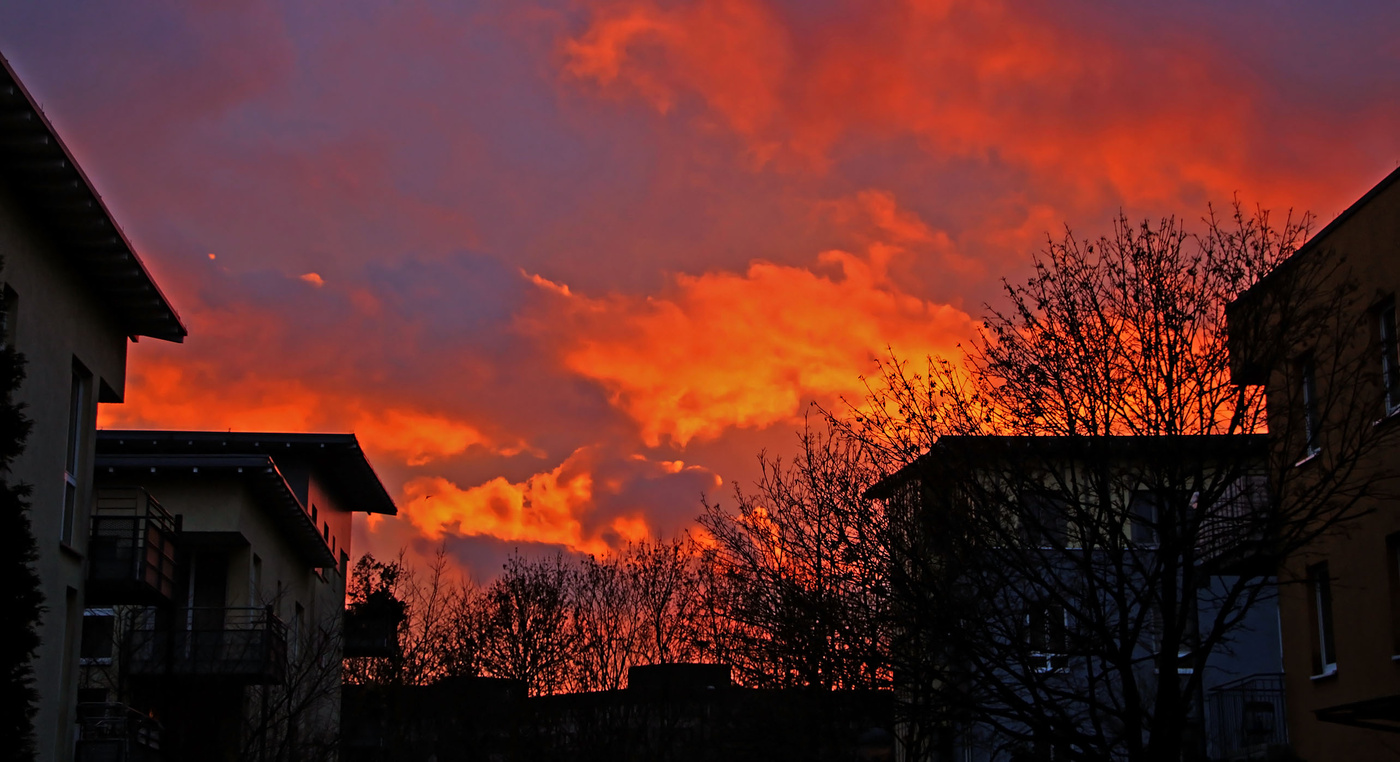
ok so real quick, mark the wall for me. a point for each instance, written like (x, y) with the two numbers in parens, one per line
(1367, 245)
(58, 320)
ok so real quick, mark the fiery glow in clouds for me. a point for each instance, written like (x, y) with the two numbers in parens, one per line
(746, 349)
(580, 505)
(565, 265)
(177, 398)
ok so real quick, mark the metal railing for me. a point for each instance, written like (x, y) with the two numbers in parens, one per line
(1249, 717)
(245, 644)
(131, 551)
(111, 731)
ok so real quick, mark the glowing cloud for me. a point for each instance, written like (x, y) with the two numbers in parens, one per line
(580, 504)
(746, 349)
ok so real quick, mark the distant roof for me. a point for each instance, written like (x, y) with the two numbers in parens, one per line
(34, 159)
(337, 457)
(1143, 446)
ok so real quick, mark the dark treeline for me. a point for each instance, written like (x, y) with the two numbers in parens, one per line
(761, 587)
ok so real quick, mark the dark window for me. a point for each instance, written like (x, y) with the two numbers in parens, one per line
(1320, 606)
(1145, 511)
(1046, 635)
(1392, 562)
(1043, 520)
(1390, 358)
(99, 633)
(77, 425)
(9, 316)
(1311, 420)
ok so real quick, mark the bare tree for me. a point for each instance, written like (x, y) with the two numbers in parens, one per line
(801, 598)
(527, 634)
(1080, 508)
(439, 621)
(666, 580)
(603, 617)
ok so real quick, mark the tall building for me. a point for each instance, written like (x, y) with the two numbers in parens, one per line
(74, 293)
(1334, 415)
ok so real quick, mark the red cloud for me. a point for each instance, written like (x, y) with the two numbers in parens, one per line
(1097, 117)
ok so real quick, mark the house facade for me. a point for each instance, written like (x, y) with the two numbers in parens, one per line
(1332, 408)
(74, 292)
(1092, 580)
(214, 625)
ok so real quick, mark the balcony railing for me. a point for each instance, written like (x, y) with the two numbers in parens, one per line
(131, 553)
(1249, 717)
(116, 733)
(247, 645)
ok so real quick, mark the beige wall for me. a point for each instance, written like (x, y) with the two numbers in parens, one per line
(267, 569)
(58, 320)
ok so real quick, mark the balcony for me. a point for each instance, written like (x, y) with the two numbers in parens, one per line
(116, 733)
(1249, 718)
(131, 552)
(243, 645)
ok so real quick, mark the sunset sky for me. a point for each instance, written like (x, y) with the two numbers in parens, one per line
(564, 266)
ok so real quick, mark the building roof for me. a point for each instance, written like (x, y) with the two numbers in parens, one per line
(960, 451)
(1312, 244)
(337, 458)
(261, 474)
(64, 202)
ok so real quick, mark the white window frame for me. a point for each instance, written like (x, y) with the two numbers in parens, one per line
(1390, 358)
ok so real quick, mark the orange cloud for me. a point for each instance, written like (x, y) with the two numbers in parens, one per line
(726, 349)
(186, 395)
(560, 506)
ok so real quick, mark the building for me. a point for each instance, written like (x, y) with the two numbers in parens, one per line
(1080, 571)
(1333, 397)
(74, 293)
(217, 579)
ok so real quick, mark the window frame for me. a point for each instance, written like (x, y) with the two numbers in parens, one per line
(1312, 419)
(98, 660)
(1321, 620)
(1389, 341)
(79, 395)
(1048, 641)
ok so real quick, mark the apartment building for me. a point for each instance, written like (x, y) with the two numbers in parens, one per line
(1095, 580)
(213, 627)
(74, 292)
(1333, 399)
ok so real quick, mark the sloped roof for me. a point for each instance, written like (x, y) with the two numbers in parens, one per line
(35, 161)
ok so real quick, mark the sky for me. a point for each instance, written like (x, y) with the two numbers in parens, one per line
(564, 267)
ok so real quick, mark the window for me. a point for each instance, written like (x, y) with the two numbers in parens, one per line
(1392, 562)
(1390, 358)
(77, 426)
(99, 634)
(1311, 422)
(1145, 511)
(1046, 634)
(1043, 520)
(9, 316)
(1320, 608)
